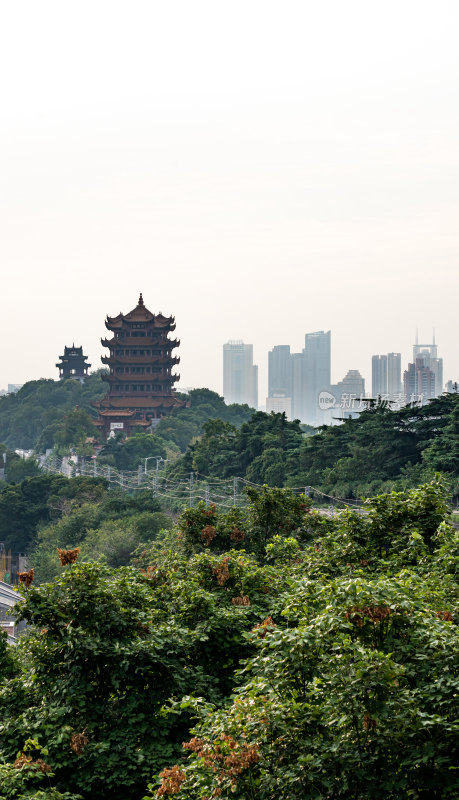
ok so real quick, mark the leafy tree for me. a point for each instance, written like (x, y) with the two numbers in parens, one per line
(19, 780)
(262, 449)
(43, 404)
(115, 541)
(23, 506)
(130, 454)
(17, 468)
(442, 453)
(35, 501)
(73, 430)
(322, 663)
(108, 527)
(186, 423)
(271, 512)
(354, 701)
(100, 673)
(108, 649)
(351, 692)
(215, 454)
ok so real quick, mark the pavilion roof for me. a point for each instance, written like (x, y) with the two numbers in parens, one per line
(141, 342)
(139, 314)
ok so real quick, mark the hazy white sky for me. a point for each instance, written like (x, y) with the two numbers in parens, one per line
(258, 169)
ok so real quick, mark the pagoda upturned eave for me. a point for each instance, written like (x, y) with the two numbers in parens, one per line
(155, 322)
(111, 360)
(118, 412)
(116, 403)
(138, 314)
(141, 341)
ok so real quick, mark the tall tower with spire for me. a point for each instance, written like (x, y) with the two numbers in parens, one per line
(425, 357)
(140, 379)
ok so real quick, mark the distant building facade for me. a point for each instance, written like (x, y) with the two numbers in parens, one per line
(280, 371)
(301, 377)
(298, 387)
(386, 375)
(279, 405)
(352, 386)
(350, 395)
(423, 379)
(240, 374)
(378, 376)
(279, 398)
(419, 382)
(317, 373)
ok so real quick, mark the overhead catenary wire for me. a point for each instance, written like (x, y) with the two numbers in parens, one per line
(224, 492)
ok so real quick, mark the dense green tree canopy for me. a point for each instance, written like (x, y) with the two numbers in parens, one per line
(34, 501)
(382, 450)
(184, 424)
(135, 452)
(296, 656)
(16, 467)
(31, 417)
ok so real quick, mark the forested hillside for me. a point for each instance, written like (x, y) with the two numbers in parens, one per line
(265, 653)
(48, 414)
(380, 451)
(30, 418)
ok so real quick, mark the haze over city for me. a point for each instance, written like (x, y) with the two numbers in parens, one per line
(258, 171)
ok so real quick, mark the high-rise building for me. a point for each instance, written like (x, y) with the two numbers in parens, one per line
(349, 394)
(386, 375)
(240, 374)
(279, 405)
(352, 385)
(419, 382)
(429, 355)
(317, 373)
(280, 371)
(410, 383)
(394, 374)
(298, 387)
(378, 376)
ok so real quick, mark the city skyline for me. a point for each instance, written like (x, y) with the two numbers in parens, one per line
(263, 392)
(308, 184)
(296, 381)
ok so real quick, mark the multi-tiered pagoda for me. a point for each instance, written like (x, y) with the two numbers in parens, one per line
(73, 364)
(140, 378)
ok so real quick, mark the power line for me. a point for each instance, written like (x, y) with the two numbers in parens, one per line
(224, 492)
